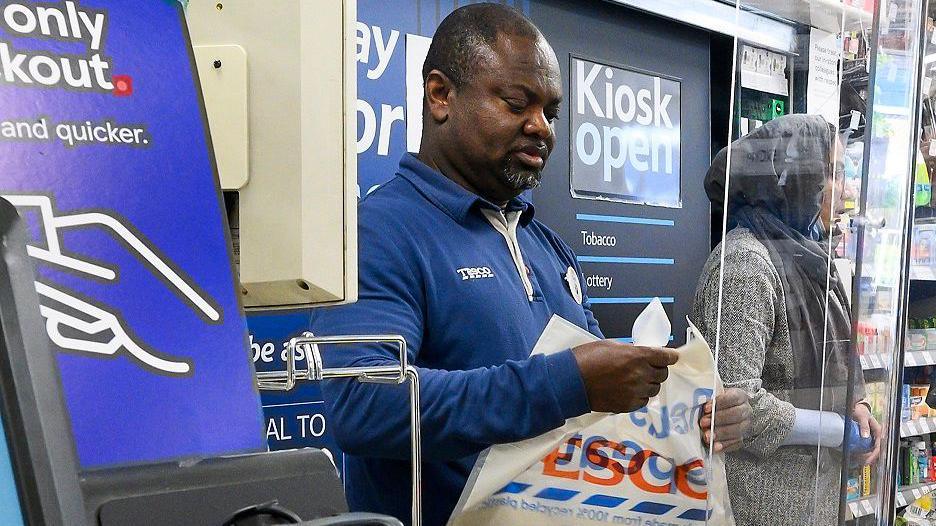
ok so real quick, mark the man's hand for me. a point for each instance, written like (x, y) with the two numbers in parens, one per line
(733, 420)
(622, 378)
(868, 426)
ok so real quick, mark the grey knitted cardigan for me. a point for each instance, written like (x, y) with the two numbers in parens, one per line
(768, 485)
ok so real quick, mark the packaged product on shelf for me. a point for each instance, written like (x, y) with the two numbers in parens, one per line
(922, 458)
(927, 460)
(930, 334)
(865, 481)
(905, 403)
(909, 465)
(922, 230)
(916, 337)
(921, 512)
(877, 337)
(853, 489)
(900, 466)
(931, 394)
(871, 339)
(875, 394)
(922, 189)
(918, 407)
(852, 43)
(921, 333)
(861, 342)
(932, 458)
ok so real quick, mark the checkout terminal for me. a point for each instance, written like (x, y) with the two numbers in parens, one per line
(40, 480)
(127, 395)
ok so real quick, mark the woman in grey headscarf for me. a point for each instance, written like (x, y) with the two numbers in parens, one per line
(785, 324)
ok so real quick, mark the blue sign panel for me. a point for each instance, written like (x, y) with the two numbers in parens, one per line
(104, 149)
(296, 418)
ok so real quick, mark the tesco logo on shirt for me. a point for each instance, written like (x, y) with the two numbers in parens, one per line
(475, 273)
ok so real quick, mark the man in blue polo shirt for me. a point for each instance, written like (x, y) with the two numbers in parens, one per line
(453, 259)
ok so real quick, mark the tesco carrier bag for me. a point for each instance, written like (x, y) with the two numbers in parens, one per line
(646, 468)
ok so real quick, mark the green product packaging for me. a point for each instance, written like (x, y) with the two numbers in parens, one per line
(923, 190)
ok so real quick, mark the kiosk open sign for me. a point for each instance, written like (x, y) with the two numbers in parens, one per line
(625, 135)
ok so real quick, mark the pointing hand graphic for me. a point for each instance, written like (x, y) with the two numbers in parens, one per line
(77, 325)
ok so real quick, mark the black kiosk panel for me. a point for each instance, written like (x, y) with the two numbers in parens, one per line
(39, 475)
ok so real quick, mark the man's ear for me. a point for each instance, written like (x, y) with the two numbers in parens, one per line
(438, 91)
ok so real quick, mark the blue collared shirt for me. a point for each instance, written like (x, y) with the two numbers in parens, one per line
(434, 269)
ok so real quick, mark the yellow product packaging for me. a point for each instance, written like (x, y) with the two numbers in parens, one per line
(924, 504)
(865, 481)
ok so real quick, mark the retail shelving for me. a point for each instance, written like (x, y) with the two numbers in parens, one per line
(905, 495)
(911, 359)
(871, 361)
(807, 12)
(922, 426)
(918, 358)
(861, 507)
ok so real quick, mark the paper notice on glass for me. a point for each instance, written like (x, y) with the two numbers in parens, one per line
(822, 83)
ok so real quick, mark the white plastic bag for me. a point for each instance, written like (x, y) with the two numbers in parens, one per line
(652, 328)
(646, 468)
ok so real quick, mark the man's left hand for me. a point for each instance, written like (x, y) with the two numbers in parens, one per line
(733, 420)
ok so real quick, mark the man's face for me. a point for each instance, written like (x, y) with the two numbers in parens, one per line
(501, 128)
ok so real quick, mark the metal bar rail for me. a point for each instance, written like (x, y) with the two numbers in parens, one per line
(391, 374)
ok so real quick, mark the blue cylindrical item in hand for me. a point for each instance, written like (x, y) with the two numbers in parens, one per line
(858, 444)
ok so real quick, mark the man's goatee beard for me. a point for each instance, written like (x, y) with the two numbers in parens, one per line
(522, 180)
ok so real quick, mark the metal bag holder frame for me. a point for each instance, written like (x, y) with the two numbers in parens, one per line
(390, 374)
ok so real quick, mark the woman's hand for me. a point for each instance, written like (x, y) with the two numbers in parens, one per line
(868, 427)
(733, 420)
